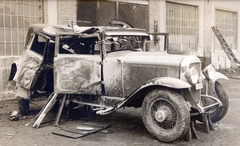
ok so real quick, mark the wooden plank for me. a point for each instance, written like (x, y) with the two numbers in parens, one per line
(63, 101)
(75, 132)
(87, 12)
(140, 16)
(46, 109)
(126, 13)
(67, 134)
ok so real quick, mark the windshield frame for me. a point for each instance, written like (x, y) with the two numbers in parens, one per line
(31, 41)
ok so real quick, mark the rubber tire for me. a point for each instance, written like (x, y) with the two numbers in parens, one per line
(23, 105)
(181, 109)
(220, 112)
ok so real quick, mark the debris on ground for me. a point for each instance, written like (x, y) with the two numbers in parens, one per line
(14, 116)
(80, 130)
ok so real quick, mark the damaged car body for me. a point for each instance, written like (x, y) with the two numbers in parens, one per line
(112, 67)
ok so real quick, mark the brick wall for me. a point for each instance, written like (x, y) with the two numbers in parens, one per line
(67, 11)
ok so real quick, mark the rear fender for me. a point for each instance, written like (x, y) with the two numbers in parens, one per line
(14, 70)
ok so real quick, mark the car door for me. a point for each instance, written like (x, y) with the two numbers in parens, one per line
(31, 60)
(76, 68)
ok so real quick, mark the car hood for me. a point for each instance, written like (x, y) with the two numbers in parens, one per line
(148, 58)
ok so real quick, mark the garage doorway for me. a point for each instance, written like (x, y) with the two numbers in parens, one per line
(102, 11)
(182, 25)
(226, 22)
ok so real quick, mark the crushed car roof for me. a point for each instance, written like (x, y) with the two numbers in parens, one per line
(52, 30)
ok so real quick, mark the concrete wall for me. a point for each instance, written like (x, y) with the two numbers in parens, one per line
(157, 12)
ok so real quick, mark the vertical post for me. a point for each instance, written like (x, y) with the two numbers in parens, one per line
(63, 101)
(52, 12)
(155, 25)
(117, 9)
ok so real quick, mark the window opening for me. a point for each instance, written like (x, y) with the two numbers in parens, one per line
(117, 43)
(38, 44)
(226, 23)
(15, 18)
(182, 26)
(76, 45)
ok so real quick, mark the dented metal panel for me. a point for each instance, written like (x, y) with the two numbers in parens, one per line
(77, 74)
(112, 71)
(29, 64)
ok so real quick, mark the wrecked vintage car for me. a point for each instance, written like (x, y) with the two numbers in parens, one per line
(111, 67)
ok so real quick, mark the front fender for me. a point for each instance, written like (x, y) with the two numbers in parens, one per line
(210, 84)
(136, 98)
(219, 75)
(168, 82)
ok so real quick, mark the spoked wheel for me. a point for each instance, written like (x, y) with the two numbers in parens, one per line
(165, 114)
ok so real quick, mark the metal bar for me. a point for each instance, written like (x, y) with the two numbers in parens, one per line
(86, 103)
(60, 110)
(46, 109)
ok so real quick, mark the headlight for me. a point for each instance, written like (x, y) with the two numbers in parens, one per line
(192, 75)
(209, 72)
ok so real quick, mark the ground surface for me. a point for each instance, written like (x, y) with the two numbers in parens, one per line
(126, 129)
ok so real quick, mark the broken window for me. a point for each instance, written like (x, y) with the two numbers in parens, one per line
(76, 45)
(38, 44)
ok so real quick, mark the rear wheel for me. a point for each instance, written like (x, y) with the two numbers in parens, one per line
(165, 114)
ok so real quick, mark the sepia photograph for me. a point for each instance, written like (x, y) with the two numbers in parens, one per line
(119, 72)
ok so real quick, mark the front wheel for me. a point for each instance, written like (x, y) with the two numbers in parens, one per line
(216, 114)
(165, 114)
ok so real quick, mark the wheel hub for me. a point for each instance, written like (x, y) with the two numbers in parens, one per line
(162, 114)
